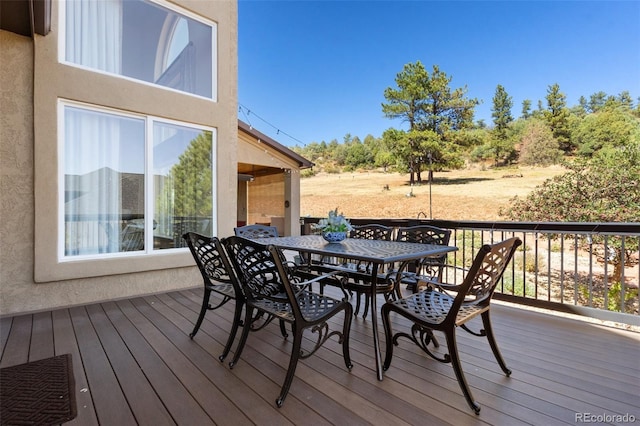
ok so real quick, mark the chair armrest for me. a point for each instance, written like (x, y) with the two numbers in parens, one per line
(453, 273)
(434, 283)
(450, 273)
(311, 278)
(314, 278)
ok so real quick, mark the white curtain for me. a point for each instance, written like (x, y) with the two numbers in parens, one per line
(94, 34)
(92, 182)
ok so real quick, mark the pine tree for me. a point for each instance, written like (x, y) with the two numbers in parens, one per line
(500, 144)
(428, 104)
(501, 112)
(597, 101)
(557, 117)
(526, 109)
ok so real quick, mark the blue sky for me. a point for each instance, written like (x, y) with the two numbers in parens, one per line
(316, 70)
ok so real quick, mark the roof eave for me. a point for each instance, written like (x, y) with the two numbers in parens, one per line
(303, 163)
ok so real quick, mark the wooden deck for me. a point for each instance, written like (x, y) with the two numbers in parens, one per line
(135, 364)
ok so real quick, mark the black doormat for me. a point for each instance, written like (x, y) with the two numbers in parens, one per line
(38, 393)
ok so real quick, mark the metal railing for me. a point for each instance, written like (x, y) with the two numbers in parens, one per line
(589, 269)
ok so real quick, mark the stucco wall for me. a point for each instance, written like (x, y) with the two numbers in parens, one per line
(16, 167)
(28, 150)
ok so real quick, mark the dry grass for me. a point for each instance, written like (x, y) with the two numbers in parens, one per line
(470, 194)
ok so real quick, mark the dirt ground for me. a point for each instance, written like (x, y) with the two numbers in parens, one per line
(470, 194)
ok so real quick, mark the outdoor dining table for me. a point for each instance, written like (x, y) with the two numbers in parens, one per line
(377, 252)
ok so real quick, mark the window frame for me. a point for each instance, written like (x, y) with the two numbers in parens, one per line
(174, 8)
(149, 121)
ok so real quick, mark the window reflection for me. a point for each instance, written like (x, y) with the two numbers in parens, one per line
(141, 40)
(184, 192)
(106, 205)
(178, 41)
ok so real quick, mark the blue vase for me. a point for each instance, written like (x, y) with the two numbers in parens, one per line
(334, 237)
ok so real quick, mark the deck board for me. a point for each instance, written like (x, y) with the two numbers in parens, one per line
(5, 328)
(66, 343)
(16, 349)
(41, 345)
(134, 363)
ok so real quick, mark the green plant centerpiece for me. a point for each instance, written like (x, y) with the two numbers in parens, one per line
(334, 227)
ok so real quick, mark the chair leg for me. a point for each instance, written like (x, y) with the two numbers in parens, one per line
(346, 330)
(366, 304)
(293, 363)
(486, 320)
(243, 337)
(234, 329)
(203, 310)
(357, 304)
(388, 337)
(283, 329)
(457, 368)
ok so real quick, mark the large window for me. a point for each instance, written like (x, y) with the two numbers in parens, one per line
(143, 40)
(132, 184)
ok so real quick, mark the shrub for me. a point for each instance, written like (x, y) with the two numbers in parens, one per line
(307, 173)
(330, 168)
(538, 146)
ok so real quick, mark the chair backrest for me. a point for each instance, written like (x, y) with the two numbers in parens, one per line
(262, 272)
(211, 259)
(371, 232)
(427, 234)
(485, 273)
(424, 234)
(256, 231)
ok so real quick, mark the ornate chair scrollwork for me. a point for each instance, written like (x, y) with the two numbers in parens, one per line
(443, 307)
(256, 231)
(371, 232)
(274, 291)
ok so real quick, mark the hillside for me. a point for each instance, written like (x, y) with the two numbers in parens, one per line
(470, 194)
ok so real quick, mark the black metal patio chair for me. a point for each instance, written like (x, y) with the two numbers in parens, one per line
(445, 307)
(273, 290)
(360, 283)
(256, 231)
(218, 277)
(429, 268)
